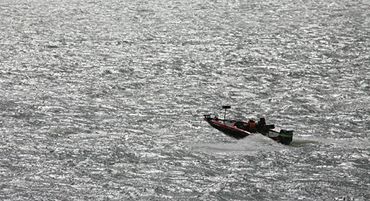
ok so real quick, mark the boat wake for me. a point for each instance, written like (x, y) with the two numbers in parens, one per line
(250, 145)
(348, 143)
(304, 141)
(255, 144)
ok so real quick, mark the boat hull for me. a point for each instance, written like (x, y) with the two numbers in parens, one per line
(231, 131)
(229, 128)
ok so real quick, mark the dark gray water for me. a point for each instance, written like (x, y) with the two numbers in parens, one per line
(103, 100)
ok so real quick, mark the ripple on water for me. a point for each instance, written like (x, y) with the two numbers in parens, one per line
(104, 99)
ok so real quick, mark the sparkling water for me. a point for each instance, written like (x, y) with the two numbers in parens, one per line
(104, 99)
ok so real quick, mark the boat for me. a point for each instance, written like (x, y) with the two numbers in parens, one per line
(239, 129)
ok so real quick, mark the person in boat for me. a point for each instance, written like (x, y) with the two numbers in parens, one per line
(262, 127)
(261, 124)
(252, 126)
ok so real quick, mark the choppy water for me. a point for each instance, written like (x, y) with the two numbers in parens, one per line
(103, 100)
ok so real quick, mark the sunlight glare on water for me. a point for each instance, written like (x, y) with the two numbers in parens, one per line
(104, 100)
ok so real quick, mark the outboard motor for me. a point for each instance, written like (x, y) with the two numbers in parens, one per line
(285, 136)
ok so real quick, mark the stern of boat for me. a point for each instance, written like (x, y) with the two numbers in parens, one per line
(285, 136)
